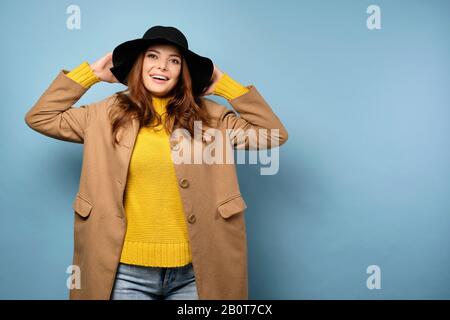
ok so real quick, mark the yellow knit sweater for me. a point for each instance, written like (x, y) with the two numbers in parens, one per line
(157, 233)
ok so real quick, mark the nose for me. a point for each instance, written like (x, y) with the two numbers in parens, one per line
(163, 66)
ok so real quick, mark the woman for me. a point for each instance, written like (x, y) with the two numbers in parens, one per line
(145, 226)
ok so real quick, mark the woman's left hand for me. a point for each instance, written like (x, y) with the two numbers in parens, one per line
(217, 74)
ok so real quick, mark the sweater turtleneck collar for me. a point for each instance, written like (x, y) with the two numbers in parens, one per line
(160, 103)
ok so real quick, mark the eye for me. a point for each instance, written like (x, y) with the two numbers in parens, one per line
(177, 62)
(151, 55)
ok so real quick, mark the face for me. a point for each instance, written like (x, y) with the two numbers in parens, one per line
(163, 60)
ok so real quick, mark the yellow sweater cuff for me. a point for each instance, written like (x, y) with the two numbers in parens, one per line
(84, 75)
(229, 88)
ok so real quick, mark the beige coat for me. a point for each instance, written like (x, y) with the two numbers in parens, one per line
(213, 205)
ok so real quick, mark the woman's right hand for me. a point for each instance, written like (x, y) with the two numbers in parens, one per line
(101, 68)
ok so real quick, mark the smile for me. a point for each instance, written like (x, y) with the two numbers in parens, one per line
(159, 80)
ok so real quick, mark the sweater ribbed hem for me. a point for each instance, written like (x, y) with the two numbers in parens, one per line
(156, 254)
(84, 75)
(229, 88)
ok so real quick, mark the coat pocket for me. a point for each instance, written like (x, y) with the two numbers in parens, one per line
(231, 206)
(82, 206)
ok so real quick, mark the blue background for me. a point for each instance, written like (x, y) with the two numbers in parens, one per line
(364, 178)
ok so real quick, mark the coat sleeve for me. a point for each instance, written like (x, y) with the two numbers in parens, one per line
(53, 114)
(257, 126)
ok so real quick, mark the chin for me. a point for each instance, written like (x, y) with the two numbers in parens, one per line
(153, 90)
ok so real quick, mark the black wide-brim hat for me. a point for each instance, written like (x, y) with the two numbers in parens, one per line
(125, 54)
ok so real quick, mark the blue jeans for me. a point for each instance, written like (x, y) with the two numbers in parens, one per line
(154, 283)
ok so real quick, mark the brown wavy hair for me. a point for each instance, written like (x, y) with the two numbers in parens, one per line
(136, 102)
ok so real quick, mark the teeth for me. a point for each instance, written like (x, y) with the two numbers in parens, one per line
(159, 77)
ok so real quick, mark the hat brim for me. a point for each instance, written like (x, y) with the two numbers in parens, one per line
(125, 54)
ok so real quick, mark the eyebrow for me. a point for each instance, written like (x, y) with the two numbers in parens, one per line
(175, 55)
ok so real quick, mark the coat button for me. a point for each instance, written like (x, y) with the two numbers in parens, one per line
(184, 183)
(192, 218)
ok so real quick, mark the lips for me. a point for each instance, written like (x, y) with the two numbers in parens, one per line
(158, 80)
(158, 75)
